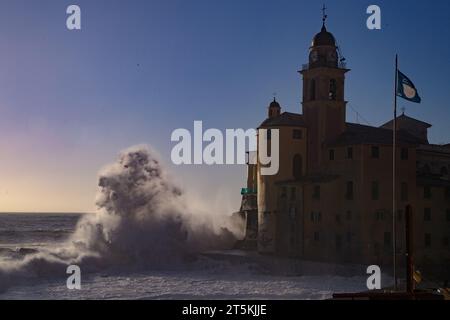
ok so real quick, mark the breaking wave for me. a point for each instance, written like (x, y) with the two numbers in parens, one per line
(142, 220)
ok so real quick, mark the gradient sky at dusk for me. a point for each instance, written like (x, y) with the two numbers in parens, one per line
(71, 100)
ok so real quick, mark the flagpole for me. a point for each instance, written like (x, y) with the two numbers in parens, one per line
(394, 167)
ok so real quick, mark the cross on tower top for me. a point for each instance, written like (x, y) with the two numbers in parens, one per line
(324, 14)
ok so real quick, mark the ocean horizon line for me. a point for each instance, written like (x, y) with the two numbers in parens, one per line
(47, 212)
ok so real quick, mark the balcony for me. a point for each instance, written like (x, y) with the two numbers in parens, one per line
(340, 65)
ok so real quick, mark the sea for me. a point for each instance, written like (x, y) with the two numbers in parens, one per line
(218, 275)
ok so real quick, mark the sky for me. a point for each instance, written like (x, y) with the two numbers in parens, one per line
(70, 101)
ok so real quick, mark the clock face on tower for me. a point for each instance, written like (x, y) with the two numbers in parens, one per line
(332, 56)
(313, 56)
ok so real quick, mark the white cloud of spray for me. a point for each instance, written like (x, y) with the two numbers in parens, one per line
(143, 220)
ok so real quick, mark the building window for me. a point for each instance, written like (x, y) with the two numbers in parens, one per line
(269, 134)
(349, 153)
(404, 191)
(400, 215)
(379, 215)
(387, 239)
(283, 192)
(447, 192)
(427, 214)
(448, 215)
(316, 236)
(292, 213)
(404, 154)
(349, 215)
(427, 192)
(444, 171)
(349, 190)
(332, 154)
(297, 166)
(313, 90)
(427, 240)
(333, 90)
(445, 241)
(349, 237)
(375, 190)
(316, 194)
(375, 152)
(297, 134)
(338, 242)
(293, 193)
(316, 216)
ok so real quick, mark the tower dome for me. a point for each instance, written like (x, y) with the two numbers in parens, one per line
(274, 109)
(323, 38)
(274, 104)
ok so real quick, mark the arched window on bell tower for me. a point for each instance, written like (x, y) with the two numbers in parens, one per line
(312, 90)
(333, 90)
(297, 166)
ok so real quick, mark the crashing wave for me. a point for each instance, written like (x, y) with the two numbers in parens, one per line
(143, 220)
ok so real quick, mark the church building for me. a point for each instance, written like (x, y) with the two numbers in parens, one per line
(331, 200)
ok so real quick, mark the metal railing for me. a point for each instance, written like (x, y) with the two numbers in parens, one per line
(340, 65)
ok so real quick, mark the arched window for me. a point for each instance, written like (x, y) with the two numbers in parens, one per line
(312, 88)
(332, 92)
(297, 166)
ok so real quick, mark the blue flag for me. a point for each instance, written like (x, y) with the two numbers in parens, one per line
(406, 89)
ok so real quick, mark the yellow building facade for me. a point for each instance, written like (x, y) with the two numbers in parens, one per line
(331, 200)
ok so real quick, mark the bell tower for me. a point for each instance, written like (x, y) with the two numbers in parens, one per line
(323, 104)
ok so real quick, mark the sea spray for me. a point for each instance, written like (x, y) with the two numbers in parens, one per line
(142, 220)
(143, 217)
